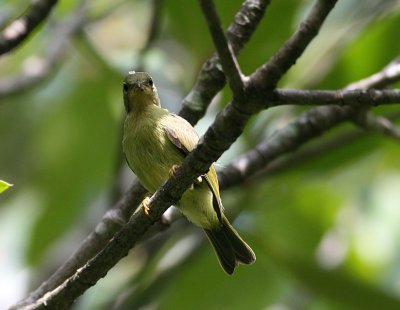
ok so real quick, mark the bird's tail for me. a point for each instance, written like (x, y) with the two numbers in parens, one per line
(230, 247)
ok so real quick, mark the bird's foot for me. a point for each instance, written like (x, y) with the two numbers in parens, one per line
(198, 180)
(146, 205)
(172, 171)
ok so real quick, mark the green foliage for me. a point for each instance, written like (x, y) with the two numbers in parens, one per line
(4, 185)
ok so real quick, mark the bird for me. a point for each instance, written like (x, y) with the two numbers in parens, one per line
(155, 142)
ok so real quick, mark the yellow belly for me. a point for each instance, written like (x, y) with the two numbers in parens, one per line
(197, 205)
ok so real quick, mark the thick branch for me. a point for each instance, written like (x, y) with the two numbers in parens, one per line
(226, 56)
(211, 79)
(19, 30)
(64, 295)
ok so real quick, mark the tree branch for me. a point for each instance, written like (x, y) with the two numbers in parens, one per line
(269, 74)
(307, 126)
(15, 33)
(211, 79)
(378, 124)
(226, 56)
(345, 97)
(388, 75)
(308, 154)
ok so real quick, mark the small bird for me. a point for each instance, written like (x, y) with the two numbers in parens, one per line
(155, 142)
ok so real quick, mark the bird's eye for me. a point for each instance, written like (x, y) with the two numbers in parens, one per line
(125, 87)
(150, 81)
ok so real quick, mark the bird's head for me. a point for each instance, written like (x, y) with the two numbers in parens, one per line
(139, 91)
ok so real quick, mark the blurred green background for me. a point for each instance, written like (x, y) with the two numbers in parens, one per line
(325, 231)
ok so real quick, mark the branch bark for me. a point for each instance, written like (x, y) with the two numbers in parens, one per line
(388, 75)
(211, 79)
(268, 75)
(358, 98)
(15, 33)
(224, 50)
(309, 125)
(378, 124)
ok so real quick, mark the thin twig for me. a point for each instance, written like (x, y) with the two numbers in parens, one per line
(388, 75)
(357, 98)
(15, 33)
(378, 124)
(226, 56)
(307, 126)
(269, 74)
(305, 155)
(211, 79)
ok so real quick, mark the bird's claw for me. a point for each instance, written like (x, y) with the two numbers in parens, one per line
(172, 171)
(146, 205)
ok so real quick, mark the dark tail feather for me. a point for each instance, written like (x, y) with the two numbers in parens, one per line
(230, 247)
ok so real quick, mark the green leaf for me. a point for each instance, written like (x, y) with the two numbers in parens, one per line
(4, 185)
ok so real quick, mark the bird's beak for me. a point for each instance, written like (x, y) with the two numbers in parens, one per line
(139, 85)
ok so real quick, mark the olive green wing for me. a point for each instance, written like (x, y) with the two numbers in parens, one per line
(127, 161)
(185, 138)
(212, 181)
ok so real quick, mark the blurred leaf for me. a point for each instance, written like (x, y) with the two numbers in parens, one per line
(4, 185)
